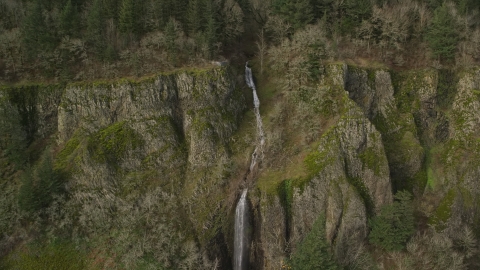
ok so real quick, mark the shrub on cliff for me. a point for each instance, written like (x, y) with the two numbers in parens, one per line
(39, 185)
(393, 227)
(313, 252)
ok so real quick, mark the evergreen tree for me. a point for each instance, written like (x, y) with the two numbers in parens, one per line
(48, 182)
(157, 15)
(314, 252)
(297, 12)
(39, 185)
(127, 18)
(25, 100)
(178, 10)
(352, 13)
(69, 21)
(96, 28)
(442, 36)
(111, 9)
(278, 4)
(36, 36)
(170, 38)
(321, 8)
(392, 228)
(468, 6)
(434, 4)
(195, 16)
(26, 195)
(211, 36)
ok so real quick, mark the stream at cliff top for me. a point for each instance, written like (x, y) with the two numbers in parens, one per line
(241, 241)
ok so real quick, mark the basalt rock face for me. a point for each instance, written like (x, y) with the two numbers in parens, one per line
(169, 131)
(146, 160)
(385, 131)
(373, 91)
(34, 107)
(458, 178)
(429, 124)
(153, 165)
(348, 180)
(194, 113)
(351, 184)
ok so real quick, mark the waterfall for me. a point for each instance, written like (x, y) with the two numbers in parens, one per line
(241, 241)
(241, 238)
(258, 152)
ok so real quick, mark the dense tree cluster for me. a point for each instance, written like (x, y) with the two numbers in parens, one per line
(392, 31)
(80, 39)
(40, 185)
(394, 226)
(314, 251)
(61, 38)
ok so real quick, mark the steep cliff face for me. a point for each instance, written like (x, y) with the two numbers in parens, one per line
(147, 161)
(153, 166)
(373, 91)
(170, 131)
(34, 107)
(455, 163)
(351, 183)
(371, 132)
(347, 178)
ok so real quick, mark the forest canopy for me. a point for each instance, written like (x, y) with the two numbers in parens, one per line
(85, 39)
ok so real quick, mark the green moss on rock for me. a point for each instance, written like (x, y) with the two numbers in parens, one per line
(370, 159)
(111, 143)
(64, 159)
(443, 211)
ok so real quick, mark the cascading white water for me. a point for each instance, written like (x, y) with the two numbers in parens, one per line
(240, 248)
(241, 238)
(258, 152)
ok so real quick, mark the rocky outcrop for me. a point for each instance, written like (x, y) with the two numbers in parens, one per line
(466, 106)
(167, 147)
(352, 182)
(174, 130)
(35, 106)
(413, 130)
(455, 165)
(392, 115)
(348, 181)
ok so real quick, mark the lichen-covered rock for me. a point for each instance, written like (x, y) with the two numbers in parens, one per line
(372, 90)
(420, 89)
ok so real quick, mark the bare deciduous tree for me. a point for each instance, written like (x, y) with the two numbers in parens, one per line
(233, 17)
(260, 10)
(277, 28)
